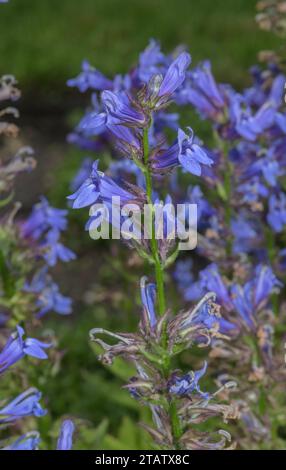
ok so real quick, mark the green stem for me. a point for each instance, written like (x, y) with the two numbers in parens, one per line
(159, 269)
(159, 273)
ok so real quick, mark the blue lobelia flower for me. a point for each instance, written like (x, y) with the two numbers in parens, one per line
(29, 441)
(90, 78)
(204, 93)
(119, 108)
(248, 299)
(99, 187)
(16, 348)
(264, 282)
(206, 316)
(268, 166)
(175, 75)
(96, 122)
(252, 190)
(88, 193)
(42, 218)
(191, 155)
(82, 174)
(276, 216)
(26, 404)
(189, 383)
(242, 301)
(66, 435)
(186, 151)
(148, 299)
(246, 124)
(152, 61)
(54, 250)
(48, 294)
(211, 280)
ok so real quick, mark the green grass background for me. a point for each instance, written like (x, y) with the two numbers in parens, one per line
(44, 41)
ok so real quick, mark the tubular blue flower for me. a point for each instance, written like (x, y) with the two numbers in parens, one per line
(99, 187)
(243, 304)
(248, 300)
(88, 193)
(29, 441)
(175, 75)
(65, 439)
(211, 280)
(276, 216)
(48, 296)
(90, 78)
(16, 348)
(189, 384)
(151, 61)
(118, 107)
(247, 125)
(203, 93)
(97, 122)
(93, 123)
(191, 155)
(206, 315)
(26, 404)
(186, 152)
(148, 299)
(265, 282)
(82, 174)
(54, 250)
(42, 218)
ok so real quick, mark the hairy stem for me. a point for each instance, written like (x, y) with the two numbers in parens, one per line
(159, 273)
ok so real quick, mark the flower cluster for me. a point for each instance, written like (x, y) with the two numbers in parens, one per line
(237, 181)
(22, 246)
(129, 116)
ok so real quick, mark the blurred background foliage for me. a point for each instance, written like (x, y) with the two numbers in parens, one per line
(43, 43)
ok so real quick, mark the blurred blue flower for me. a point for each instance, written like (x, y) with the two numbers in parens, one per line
(65, 439)
(189, 383)
(276, 216)
(48, 296)
(42, 218)
(90, 78)
(186, 151)
(204, 93)
(82, 174)
(54, 250)
(26, 404)
(29, 441)
(175, 76)
(99, 187)
(148, 299)
(119, 108)
(16, 348)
